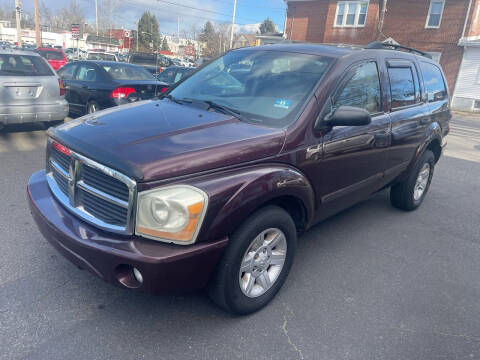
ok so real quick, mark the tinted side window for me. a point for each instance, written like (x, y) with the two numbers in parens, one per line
(434, 84)
(402, 86)
(86, 73)
(362, 89)
(67, 72)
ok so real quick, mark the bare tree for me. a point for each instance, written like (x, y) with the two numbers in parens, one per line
(109, 10)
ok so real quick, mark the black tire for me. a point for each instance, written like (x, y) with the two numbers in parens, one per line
(224, 288)
(402, 194)
(92, 106)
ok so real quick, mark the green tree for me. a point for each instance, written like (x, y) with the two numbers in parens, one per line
(267, 26)
(211, 39)
(165, 46)
(148, 33)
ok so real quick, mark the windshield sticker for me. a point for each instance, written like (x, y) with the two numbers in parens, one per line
(283, 104)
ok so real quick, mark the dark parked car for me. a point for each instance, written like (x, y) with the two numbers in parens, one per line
(96, 85)
(210, 185)
(153, 63)
(55, 57)
(173, 74)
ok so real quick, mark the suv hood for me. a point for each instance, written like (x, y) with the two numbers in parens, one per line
(153, 140)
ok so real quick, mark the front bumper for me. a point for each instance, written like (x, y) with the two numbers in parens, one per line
(164, 267)
(17, 114)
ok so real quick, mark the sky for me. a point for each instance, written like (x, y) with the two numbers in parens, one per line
(250, 13)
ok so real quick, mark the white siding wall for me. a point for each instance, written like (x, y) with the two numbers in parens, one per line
(467, 89)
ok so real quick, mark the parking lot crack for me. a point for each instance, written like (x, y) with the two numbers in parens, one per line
(285, 332)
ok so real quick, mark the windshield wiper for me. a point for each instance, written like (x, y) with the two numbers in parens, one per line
(225, 109)
(174, 99)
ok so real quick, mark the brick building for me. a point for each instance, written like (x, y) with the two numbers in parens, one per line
(124, 37)
(435, 26)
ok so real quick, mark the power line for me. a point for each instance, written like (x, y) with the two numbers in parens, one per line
(254, 6)
(205, 10)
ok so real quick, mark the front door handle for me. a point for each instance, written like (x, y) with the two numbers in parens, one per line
(382, 138)
(314, 152)
(84, 86)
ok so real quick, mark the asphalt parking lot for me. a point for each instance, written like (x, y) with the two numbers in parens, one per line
(370, 283)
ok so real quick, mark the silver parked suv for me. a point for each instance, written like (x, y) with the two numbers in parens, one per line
(30, 90)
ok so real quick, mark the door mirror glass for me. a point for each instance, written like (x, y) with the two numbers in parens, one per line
(349, 116)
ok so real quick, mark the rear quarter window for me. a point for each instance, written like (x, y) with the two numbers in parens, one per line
(434, 83)
(23, 65)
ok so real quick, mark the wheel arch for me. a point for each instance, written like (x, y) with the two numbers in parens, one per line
(252, 189)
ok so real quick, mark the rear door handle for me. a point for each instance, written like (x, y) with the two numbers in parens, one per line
(84, 86)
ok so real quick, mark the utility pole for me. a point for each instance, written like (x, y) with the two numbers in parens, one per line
(233, 22)
(37, 24)
(137, 36)
(96, 16)
(18, 9)
(178, 29)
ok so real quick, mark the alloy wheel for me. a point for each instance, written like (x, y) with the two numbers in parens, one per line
(422, 181)
(262, 263)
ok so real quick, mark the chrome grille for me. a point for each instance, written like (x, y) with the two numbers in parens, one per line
(61, 159)
(62, 182)
(104, 182)
(94, 192)
(103, 210)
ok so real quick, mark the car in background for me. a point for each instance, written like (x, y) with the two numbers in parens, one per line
(55, 57)
(96, 85)
(201, 61)
(99, 55)
(154, 63)
(30, 91)
(28, 46)
(75, 54)
(174, 74)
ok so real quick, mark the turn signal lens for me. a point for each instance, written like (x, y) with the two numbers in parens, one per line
(62, 88)
(172, 214)
(61, 148)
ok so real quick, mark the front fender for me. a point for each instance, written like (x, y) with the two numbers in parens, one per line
(234, 195)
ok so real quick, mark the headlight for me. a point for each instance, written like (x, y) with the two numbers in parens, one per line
(171, 214)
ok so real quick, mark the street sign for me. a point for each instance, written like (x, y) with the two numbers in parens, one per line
(75, 30)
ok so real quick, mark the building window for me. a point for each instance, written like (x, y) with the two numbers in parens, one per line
(435, 12)
(351, 13)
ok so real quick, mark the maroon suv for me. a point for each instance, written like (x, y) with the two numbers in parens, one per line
(210, 185)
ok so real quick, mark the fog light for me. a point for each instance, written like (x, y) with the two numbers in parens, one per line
(138, 275)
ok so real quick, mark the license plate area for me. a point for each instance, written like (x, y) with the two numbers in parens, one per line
(24, 92)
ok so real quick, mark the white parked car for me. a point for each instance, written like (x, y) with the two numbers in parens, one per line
(30, 90)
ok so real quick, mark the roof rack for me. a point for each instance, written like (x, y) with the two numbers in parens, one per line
(386, 46)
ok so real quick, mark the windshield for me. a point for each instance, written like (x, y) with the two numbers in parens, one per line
(101, 56)
(266, 87)
(127, 72)
(23, 65)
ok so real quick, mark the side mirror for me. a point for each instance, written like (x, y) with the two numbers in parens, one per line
(348, 116)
